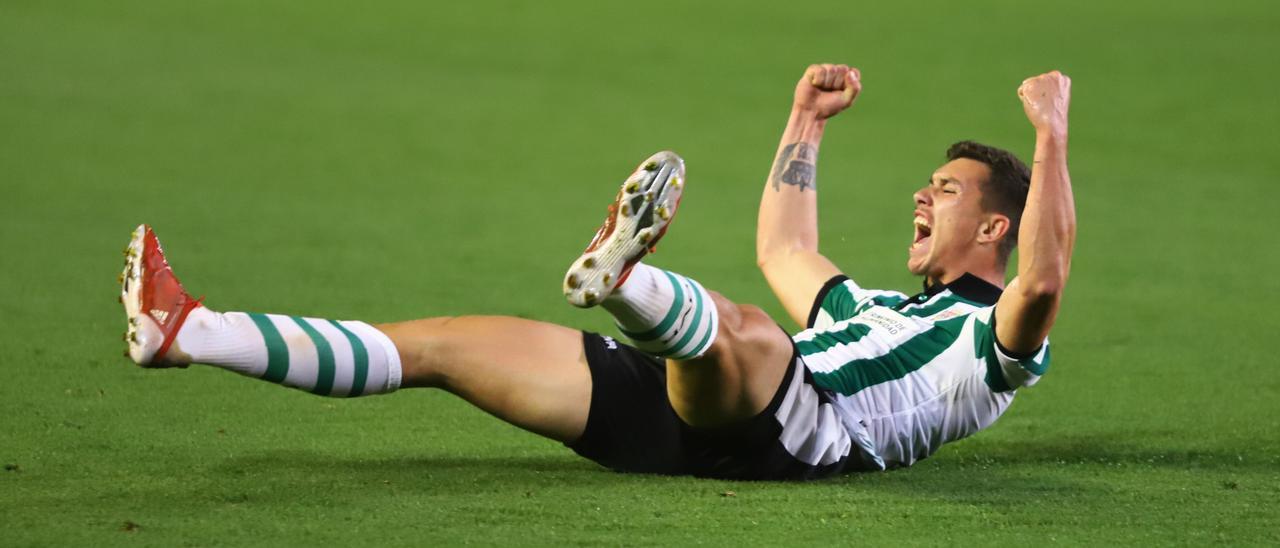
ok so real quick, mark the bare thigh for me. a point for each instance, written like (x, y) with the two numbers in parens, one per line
(738, 376)
(531, 374)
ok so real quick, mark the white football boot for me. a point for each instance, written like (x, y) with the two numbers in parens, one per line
(638, 218)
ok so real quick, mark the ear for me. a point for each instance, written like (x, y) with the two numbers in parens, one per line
(993, 227)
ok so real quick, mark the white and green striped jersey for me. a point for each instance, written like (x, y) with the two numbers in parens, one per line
(908, 374)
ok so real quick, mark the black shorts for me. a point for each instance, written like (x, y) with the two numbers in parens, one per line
(632, 427)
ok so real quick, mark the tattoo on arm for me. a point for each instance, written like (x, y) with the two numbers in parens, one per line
(796, 166)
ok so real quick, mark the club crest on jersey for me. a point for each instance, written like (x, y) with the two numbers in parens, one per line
(947, 314)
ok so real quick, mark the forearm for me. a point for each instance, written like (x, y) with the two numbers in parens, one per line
(1047, 233)
(788, 218)
(1048, 229)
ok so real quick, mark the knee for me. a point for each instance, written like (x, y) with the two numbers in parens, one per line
(425, 349)
(742, 327)
(743, 318)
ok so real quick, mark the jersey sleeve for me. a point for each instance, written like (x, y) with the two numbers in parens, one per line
(840, 299)
(1007, 370)
(834, 300)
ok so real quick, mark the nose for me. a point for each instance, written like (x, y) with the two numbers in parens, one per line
(922, 197)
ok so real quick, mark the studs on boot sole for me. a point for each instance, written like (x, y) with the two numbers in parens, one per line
(573, 282)
(590, 297)
(589, 262)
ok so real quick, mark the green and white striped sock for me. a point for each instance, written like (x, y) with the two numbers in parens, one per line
(324, 357)
(664, 313)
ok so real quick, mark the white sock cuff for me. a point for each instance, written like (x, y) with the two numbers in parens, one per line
(665, 314)
(707, 326)
(641, 274)
(392, 355)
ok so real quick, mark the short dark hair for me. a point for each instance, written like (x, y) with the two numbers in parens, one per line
(1005, 192)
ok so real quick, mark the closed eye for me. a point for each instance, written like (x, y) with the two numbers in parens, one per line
(946, 184)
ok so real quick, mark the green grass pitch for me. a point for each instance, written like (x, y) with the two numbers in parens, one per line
(394, 160)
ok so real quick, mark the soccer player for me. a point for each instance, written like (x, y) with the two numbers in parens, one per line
(707, 387)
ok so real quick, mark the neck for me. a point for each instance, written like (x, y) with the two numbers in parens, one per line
(993, 275)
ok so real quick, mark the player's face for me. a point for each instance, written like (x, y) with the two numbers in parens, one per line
(948, 216)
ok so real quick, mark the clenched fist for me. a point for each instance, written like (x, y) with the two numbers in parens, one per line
(825, 90)
(1046, 98)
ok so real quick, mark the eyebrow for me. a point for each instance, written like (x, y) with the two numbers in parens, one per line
(945, 180)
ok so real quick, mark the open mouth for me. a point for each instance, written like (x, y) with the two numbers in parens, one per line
(923, 231)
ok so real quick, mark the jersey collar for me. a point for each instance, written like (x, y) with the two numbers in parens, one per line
(967, 286)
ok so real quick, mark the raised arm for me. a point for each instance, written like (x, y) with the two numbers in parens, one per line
(1047, 234)
(787, 229)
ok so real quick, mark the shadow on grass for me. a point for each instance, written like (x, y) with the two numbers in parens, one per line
(1029, 470)
(434, 474)
(1114, 450)
(997, 472)
(1143, 449)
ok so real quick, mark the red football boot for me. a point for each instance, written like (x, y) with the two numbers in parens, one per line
(154, 301)
(638, 218)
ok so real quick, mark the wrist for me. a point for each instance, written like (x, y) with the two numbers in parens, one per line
(1052, 135)
(806, 124)
(1051, 146)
